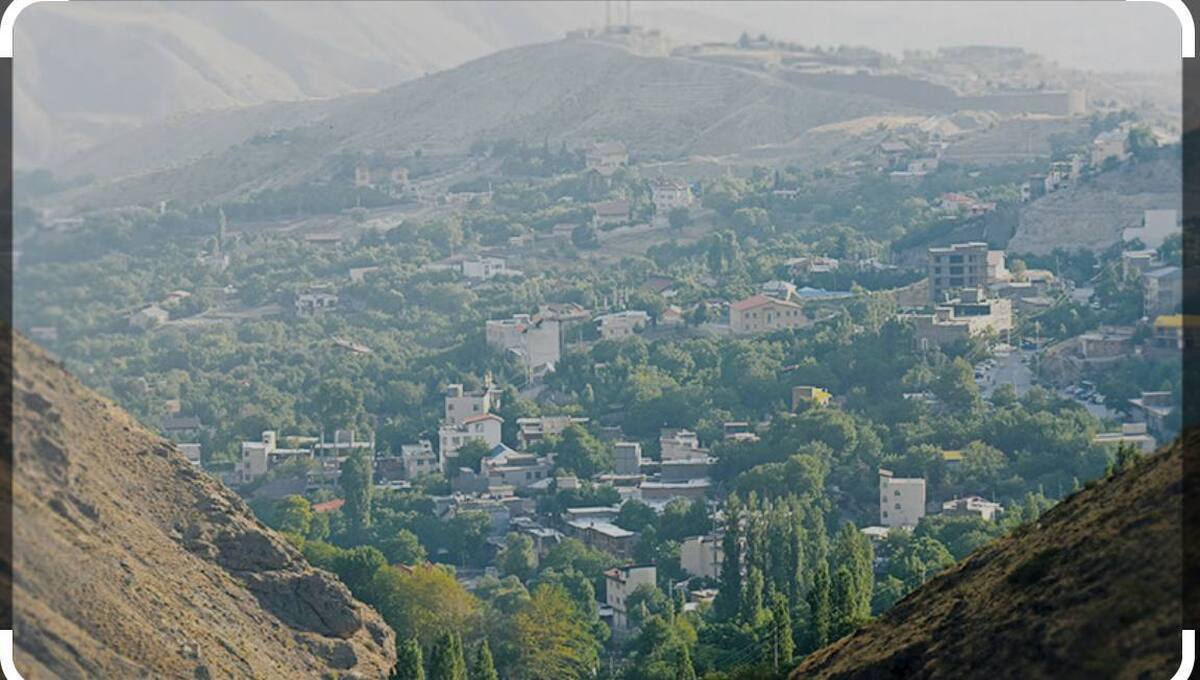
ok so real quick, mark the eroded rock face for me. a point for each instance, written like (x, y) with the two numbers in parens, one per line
(129, 562)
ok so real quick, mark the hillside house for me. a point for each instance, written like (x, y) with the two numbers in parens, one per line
(314, 302)
(532, 431)
(1131, 434)
(801, 267)
(536, 342)
(679, 444)
(901, 500)
(1162, 290)
(606, 157)
(619, 584)
(702, 556)
(627, 458)
(459, 404)
(486, 268)
(1177, 332)
(971, 315)
(606, 213)
(452, 437)
(760, 313)
(669, 194)
(418, 460)
(972, 505)
(621, 324)
(808, 394)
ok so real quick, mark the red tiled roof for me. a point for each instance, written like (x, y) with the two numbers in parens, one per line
(482, 416)
(329, 506)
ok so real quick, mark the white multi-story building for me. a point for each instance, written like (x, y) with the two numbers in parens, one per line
(451, 437)
(619, 584)
(621, 324)
(901, 500)
(669, 194)
(537, 342)
(484, 268)
(460, 405)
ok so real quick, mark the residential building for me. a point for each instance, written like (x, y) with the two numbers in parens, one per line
(801, 267)
(484, 268)
(1162, 290)
(685, 469)
(672, 317)
(606, 157)
(451, 437)
(260, 457)
(1133, 434)
(1177, 332)
(669, 194)
(460, 405)
(1112, 143)
(971, 315)
(313, 302)
(1138, 262)
(603, 535)
(1153, 409)
(1107, 343)
(621, 324)
(701, 556)
(957, 267)
(759, 313)
(181, 428)
(627, 458)
(809, 394)
(972, 505)
(610, 213)
(678, 444)
(536, 342)
(619, 584)
(780, 290)
(1157, 226)
(418, 460)
(660, 493)
(507, 467)
(149, 317)
(901, 500)
(531, 431)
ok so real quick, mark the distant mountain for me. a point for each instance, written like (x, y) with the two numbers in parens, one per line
(572, 90)
(1092, 590)
(129, 562)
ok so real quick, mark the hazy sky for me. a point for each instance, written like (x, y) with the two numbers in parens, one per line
(1107, 35)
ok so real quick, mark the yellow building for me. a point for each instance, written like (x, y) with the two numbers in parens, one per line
(1176, 331)
(808, 393)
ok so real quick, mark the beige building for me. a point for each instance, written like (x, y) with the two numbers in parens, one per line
(955, 267)
(619, 584)
(460, 405)
(701, 556)
(621, 324)
(972, 505)
(760, 313)
(969, 316)
(606, 157)
(901, 500)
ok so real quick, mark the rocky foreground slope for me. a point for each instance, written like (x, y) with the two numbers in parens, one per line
(128, 562)
(1093, 590)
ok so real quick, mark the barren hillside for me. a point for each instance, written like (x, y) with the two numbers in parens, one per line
(1093, 590)
(130, 563)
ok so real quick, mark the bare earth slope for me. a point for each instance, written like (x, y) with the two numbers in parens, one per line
(1092, 591)
(129, 562)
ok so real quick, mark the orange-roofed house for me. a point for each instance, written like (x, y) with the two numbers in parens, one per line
(329, 506)
(760, 313)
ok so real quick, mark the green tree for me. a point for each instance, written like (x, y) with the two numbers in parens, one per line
(783, 648)
(685, 669)
(356, 485)
(446, 661)
(470, 455)
(819, 606)
(552, 640)
(293, 514)
(636, 516)
(409, 663)
(851, 607)
(403, 548)
(482, 667)
(582, 453)
(729, 596)
(517, 557)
